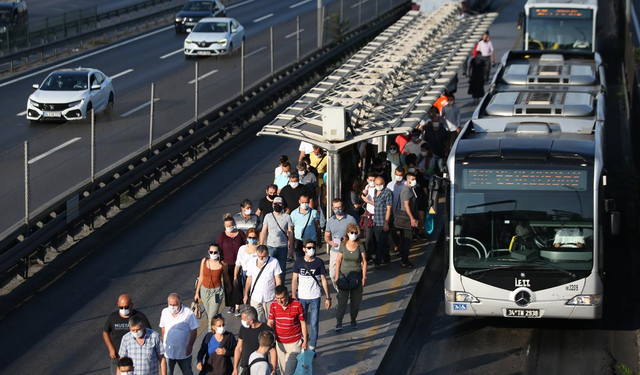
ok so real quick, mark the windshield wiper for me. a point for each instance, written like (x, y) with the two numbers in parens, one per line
(497, 267)
(535, 261)
(541, 261)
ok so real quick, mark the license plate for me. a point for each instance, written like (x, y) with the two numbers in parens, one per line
(190, 23)
(204, 53)
(51, 114)
(522, 313)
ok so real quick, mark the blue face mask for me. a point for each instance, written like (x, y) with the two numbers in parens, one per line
(416, 139)
(252, 241)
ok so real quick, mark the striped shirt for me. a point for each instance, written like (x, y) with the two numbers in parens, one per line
(146, 357)
(287, 321)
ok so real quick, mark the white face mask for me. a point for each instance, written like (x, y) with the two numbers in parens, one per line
(372, 183)
(294, 184)
(412, 170)
(221, 330)
(302, 173)
(125, 312)
(413, 183)
(353, 237)
(310, 252)
(247, 212)
(244, 323)
(138, 334)
(232, 228)
(304, 206)
(436, 125)
(287, 174)
(399, 178)
(423, 153)
(214, 256)
(126, 372)
(379, 188)
(174, 309)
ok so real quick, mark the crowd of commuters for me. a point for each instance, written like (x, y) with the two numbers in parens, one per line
(245, 271)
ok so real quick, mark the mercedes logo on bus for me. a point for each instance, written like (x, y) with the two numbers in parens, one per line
(523, 299)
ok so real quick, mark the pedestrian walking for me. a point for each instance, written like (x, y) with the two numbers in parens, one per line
(259, 360)
(308, 282)
(306, 225)
(451, 117)
(383, 204)
(366, 220)
(477, 71)
(436, 136)
(413, 146)
(144, 347)
(265, 206)
(216, 350)
(179, 331)
(230, 241)
(485, 50)
(278, 171)
(395, 158)
(249, 342)
(350, 265)
(246, 254)
(117, 325)
(406, 218)
(286, 318)
(336, 231)
(125, 366)
(263, 276)
(246, 219)
(283, 178)
(277, 234)
(213, 273)
(292, 192)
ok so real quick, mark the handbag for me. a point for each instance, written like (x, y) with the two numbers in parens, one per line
(305, 363)
(402, 220)
(348, 282)
(366, 221)
(197, 309)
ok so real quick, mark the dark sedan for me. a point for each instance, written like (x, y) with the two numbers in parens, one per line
(13, 19)
(195, 10)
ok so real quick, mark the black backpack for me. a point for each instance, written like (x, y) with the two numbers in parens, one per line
(247, 371)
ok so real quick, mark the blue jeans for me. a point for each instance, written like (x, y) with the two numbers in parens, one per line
(280, 253)
(312, 317)
(184, 364)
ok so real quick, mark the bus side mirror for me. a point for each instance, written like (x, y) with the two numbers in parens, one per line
(520, 20)
(609, 205)
(615, 223)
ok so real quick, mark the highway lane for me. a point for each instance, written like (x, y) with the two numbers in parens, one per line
(135, 71)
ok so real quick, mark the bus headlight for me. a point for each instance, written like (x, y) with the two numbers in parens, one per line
(586, 300)
(453, 296)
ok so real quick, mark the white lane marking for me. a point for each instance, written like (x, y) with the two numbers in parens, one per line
(239, 4)
(69, 62)
(121, 74)
(635, 21)
(293, 34)
(254, 52)
(171, 54)
(203, 77)
(136, 109)
(358, 4)
(58, 148)
(22, 113)
(298, 4)
(263, 18)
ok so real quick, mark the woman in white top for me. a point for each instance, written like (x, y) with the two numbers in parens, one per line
(278, 170)
(246, 253)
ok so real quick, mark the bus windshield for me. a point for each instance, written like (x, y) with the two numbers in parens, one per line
(511, 216)
(560, 29)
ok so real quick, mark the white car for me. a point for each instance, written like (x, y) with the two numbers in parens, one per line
(70, 94)
(213, 37)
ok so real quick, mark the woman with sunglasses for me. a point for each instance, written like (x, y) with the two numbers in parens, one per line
(246, 253)
(230, 241)
(213, 272)
(218, 346)
(351, 261)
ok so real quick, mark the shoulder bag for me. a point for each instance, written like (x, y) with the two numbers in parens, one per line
(253, 287)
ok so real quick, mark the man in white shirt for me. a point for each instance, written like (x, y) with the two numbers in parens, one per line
(305, 149)
(263, 276)
(485, 48)
(179, 331)
(451, 116)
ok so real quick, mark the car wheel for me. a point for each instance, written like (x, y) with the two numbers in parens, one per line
(110, 103)
(87, 114)
(230, 49)
(34, 122)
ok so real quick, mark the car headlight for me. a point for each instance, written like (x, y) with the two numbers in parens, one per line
(222, 42)
(188, 41)
(35, 104)
(586, 300)
(76, 104)
(453, 296)
(178, 19)
(3, 29)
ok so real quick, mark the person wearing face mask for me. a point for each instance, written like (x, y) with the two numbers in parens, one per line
(407, 218)
(451, 116)
(413, 147)
(351, 260)
(278, 171)
(145, 348)
(421, 193)
(306, 225)
(216, 350)
(263, 276)
(308, 179)
(125, 366)
(309, 280)
(179, 328)
(395, 187)
(287, 319)
(292, 192)
(246, 253)
(366, 220)
(383, 203)
(436, 136)
(246, 219)
(248, 341)
(265, 206)
(117, 325)
(394, 157)
(277, 234)
(283, 179)
(230, 240)
(336, 230)
(213, 272)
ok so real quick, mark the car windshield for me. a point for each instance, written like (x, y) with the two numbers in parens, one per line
(198, 6)
(560, 29)
(211, 27)
(512, 216)
(5, 16)
(66, 81)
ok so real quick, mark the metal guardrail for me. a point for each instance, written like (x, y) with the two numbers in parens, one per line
(96, 202)
(125, 22)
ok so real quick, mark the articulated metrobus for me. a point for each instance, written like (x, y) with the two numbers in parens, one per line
(560, 25)
(525, 199)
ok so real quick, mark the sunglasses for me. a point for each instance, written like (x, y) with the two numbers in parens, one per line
(310, 248)
(252, 238)
(353, 232)
(124, 307)
(217, 316)
(213, 252)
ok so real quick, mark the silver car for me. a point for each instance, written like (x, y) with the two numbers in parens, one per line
(214, 36)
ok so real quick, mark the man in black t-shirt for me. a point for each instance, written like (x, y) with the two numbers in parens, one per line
(265, 205)
(117, 325)
(292, 193)
(248, 340)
